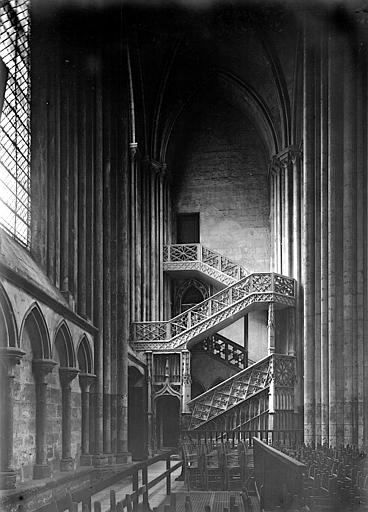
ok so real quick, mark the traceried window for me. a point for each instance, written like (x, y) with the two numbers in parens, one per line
(15, 119)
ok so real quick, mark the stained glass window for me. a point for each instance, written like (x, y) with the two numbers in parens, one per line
(15, 119)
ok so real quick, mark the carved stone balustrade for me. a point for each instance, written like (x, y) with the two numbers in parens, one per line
(197, 258)
(214, 313)
(227, 351)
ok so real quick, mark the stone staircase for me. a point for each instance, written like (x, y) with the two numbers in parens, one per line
(179, 258)
(223, 401)
(231, 392)
(230, 402)
(215, 313)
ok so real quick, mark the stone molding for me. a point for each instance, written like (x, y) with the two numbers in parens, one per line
(67, 374)
(42, 367)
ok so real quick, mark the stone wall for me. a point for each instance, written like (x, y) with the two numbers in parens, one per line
(25, 397)
(220, 171)
(209, 372)
(24, 414)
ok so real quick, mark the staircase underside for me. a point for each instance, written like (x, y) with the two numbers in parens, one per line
(198, 270)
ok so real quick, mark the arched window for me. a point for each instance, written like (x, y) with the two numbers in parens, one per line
(15, 119)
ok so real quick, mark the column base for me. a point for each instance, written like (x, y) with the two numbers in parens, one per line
(7, 479)
(67, 464)
(100, 460)
(123, 458)
(86, 459)
(41, 471)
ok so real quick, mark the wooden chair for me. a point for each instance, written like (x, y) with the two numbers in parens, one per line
(193, 468)
(214, 470)
(234, 470)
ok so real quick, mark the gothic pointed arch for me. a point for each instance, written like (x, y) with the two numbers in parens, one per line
(84, 355)
(64, 345)
(8, 327)
(190, 292)
(34, 324)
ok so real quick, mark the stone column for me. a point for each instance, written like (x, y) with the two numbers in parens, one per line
(186, 381)
(324, 244)
(82, 206)
(98, 313)
(161, 238)
(335, 160)
(41, 368)
(123, 290)
(106, 302)
(85, 381)
(149, 403)
(153, 242)
(284, 263)
(317, 251)
(132, 225)
(9, 357)
(272, 218)
(291, 331)
(286, 237)
(138, 240)
(349, 248)
(308, 266)
(66, 376)
(271, 329)
(295, 158)
(278, 221)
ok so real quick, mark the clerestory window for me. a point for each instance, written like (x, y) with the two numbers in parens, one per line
(15, 119)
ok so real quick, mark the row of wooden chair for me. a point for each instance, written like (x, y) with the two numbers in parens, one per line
(335, 480)
(218, 467)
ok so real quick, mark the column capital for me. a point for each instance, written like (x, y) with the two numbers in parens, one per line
(85, 380)
(285, 157)
(295, 155)
(42, 367)
(67, 374)
(9, 357)
(133, 146)
(159, 168)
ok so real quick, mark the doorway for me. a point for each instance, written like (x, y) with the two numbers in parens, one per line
(188, 228)
(167, 421)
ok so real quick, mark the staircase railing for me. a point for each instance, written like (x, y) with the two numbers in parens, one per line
(229, 393)
(225, 349)
(240, 387)
(197, 257)
(214, 312)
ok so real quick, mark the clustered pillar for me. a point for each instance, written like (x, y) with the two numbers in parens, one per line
(319, 224)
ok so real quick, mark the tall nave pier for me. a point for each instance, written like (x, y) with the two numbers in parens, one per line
(184, 231)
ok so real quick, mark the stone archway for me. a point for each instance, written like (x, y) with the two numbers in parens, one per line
(167, 421)
(190, 293)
